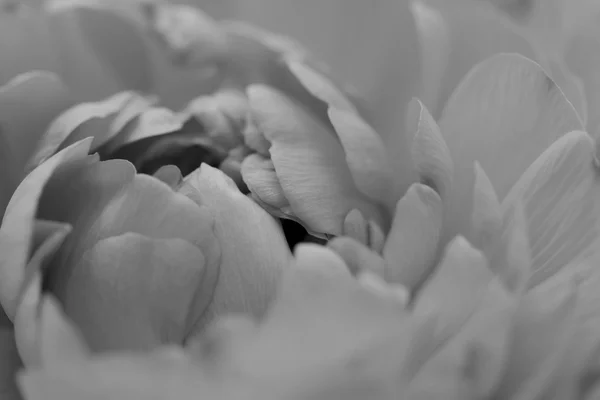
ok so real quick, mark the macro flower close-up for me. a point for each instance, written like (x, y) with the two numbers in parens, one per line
(276, 199)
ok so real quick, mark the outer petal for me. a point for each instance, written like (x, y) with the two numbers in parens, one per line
(17, 231)
(411, 247)
(131, 292)
(559, 193)
(366, 155)
(254, 250)
(9, 364)
(505, 108)
(28, 104)
(309, 162)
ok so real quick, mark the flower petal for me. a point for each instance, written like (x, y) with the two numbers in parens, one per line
(357, 256)
(60, 341)
(434, 39)
(506, 106)
(366, 155)
(410, 250)
(254, 251)
(454, 292)
(259, 174)
(559, 194)
(78, 122)
(17, 231)
(429, 152)
(9, 364)
(131, 292)
(309, 163)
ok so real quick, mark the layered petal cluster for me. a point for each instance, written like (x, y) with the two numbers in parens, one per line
(331, 335)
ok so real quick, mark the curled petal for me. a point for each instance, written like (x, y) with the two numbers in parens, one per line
(169, 174)
(366, 232)
(309, 163)
(321, 87)
(430, 153)
(254, 250)
(17, 231)
(505, 107)
(260, 177)
(411, 247)
(366, 155)
(559, 193)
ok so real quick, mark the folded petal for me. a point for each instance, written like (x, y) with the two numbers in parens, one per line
(309, 163)
(411, 247)
(28, 104)
(559, 195)
(505, 107)
(259, 174)
(131, 292)
(372, 46)
(253, 249)
(78, 122)
(366, 155)
(17, 231)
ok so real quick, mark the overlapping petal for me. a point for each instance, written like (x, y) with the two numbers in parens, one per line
(505, 108)
(309, 162)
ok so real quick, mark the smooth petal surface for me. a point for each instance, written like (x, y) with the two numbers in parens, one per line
(434, 39)
(366, 155)
(372, 46)
(254, 250)
(412, 243)
(309, 162)
(456, 289)
(28, 104)
(9, 364)
(17, 231)
(260, 177)
(559, 193)
(132, 292)
(505, 107)
(430, 154)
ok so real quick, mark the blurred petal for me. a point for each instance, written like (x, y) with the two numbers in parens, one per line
(357, 256)
(355, 325)
(487, 214)
(131, 292)
(171, 175)
(582, 57)
(10, 362)
(309, 163)
(410, 250)
(506, 106)
(78, 122)
(485, 335)
(434, 39)
(17, 231)
(456, 289)
(320, 87)
(254, 251)
(366, 232)
(365, 155)
(559, 194)
(60, 341)
(429, 152)
(373, 46)
(28, 104)
(542, 330)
